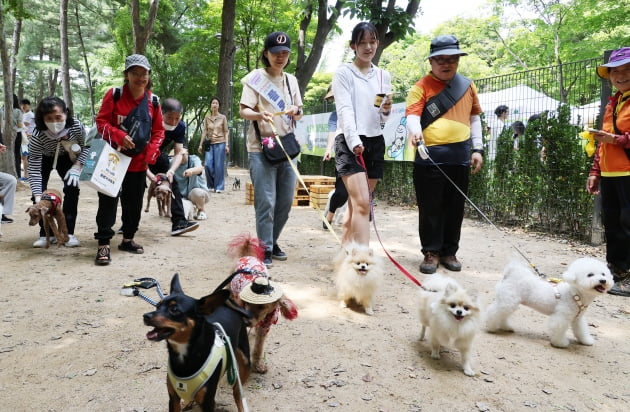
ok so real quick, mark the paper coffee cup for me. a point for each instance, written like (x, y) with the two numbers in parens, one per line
(378, 100)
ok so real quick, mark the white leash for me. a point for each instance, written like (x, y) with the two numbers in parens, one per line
(424, 154)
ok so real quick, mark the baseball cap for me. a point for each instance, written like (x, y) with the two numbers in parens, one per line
(137, 60)
(617, 58)
(445, 45)
(278, 41)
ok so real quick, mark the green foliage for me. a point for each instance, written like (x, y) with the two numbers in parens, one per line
(540, 185)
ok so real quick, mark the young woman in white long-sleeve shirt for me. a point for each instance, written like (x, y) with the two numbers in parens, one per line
(363, 101)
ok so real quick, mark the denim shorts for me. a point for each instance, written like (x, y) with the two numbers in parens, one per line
(346, 161)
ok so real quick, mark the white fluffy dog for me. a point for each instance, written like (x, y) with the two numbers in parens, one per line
(452, 316)
(564, 303)
(358, 275)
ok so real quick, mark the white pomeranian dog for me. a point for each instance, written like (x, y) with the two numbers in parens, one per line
(359, 273)
(564, 303)
(452, 316)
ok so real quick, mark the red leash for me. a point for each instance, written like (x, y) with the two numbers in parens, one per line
(400, 267)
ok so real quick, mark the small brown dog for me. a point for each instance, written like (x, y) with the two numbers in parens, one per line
(161, 190)
(251, 289)
(49, 210)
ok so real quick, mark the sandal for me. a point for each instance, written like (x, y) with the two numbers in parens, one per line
(102, 256)
(131, 247)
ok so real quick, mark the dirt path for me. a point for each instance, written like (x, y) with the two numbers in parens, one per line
(70, 342)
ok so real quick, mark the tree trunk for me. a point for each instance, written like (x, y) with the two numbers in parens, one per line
(88, 76)
(65, 65)
(142, 33)
(17, 33)
(225, 85)
(306, 66)
(7, 161)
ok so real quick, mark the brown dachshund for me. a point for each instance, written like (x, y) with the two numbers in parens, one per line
(50, 212)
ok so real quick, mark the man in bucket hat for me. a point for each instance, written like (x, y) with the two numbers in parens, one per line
(451, 135)
(610, 173)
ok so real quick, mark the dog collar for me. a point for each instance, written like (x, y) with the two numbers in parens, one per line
(54, 200)
(187, 387)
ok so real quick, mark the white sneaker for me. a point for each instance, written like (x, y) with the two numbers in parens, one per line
(218, 191)
(41, 242)
(72, 241)
(202, 216)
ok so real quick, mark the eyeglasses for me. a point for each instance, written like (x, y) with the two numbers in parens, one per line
(445, 60)
(143, 75)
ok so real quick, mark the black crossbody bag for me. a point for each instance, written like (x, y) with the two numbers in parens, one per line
(443, 101)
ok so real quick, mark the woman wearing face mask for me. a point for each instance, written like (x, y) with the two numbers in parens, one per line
(214, 136)
(58, 142)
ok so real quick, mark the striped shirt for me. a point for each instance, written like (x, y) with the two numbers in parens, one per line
(41, 145)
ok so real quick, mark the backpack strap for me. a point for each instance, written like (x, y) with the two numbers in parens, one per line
(117, 93)
(443, 101)
(155, 101)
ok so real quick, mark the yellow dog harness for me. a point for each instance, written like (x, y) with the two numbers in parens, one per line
(187, 387)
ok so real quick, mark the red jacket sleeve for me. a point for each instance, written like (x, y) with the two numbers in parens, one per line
(106, 122)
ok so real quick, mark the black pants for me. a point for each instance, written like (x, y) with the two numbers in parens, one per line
(131, 196)
(616, 218)
(177, 206)
(17, 152)
(70, 193)
(340, 196)
(441, 207)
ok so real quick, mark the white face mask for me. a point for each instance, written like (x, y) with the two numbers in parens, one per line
(168, 127)
(56, 127)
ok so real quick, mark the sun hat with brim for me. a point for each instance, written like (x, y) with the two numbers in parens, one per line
(278, 41)
(261, 291)
(617, 58)
(446, 45)
(137, 60)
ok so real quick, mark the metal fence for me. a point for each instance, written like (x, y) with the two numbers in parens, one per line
(536, 167)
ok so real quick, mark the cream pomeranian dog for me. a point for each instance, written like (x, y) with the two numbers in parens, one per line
(564, 303)
(452, 316)
(359, 273)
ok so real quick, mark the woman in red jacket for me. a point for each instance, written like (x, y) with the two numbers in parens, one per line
(116, 105)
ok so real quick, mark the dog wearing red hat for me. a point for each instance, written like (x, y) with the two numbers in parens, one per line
(252, 288)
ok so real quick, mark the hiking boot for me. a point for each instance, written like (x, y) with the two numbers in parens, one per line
(267, 261)
(451, 263)
(278, 254)
(184, 227)
(621, 287)
(430, 263)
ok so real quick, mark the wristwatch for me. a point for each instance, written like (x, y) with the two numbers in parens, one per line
(480, 151)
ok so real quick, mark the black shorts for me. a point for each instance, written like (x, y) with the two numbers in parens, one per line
(346, 161)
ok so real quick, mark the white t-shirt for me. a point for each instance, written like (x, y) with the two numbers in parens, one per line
(354, 99)
(29, 117)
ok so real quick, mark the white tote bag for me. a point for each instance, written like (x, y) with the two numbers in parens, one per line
(105, 168)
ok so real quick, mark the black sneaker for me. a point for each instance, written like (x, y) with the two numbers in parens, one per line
(278, 254)
(267, 261)
(184, 227)
(6, 219)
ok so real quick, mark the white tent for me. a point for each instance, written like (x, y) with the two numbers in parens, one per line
(523, 101)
